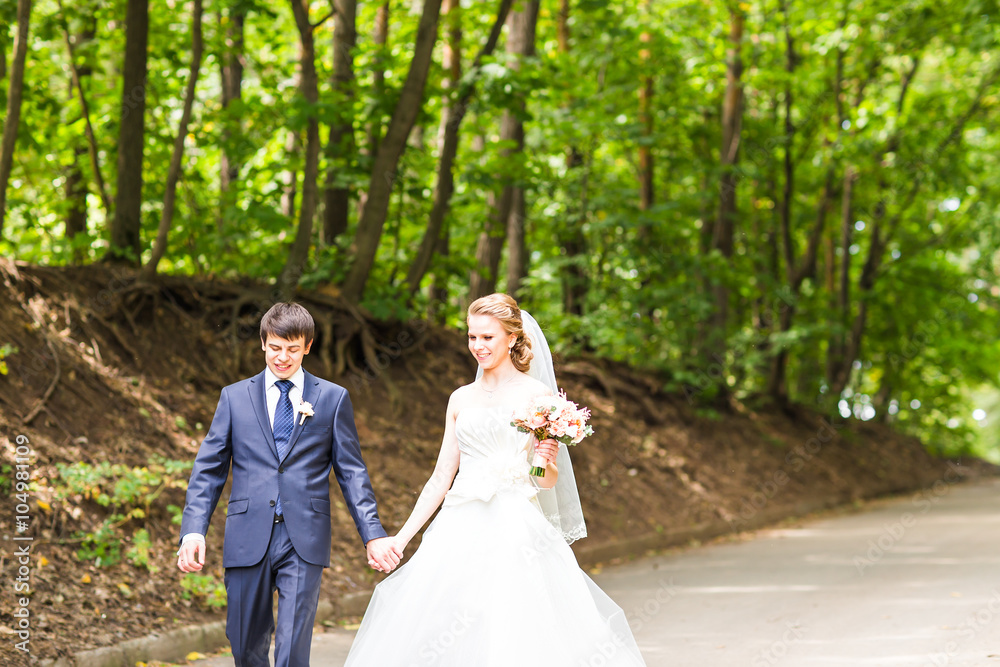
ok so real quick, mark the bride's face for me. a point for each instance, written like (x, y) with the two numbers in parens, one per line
(488, 342)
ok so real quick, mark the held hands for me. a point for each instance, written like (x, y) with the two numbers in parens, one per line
(191, 556)
(384, 553)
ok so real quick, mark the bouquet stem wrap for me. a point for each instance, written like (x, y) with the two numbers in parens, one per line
(538, 464)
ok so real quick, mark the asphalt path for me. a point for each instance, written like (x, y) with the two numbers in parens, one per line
(911, 581)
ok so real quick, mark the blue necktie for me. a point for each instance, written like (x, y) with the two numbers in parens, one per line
(284, 420)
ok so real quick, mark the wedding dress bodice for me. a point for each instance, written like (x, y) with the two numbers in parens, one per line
(493, 456)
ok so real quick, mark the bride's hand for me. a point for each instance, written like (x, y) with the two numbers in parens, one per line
(547, 449)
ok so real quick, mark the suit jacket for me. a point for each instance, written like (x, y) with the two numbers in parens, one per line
(241, 437)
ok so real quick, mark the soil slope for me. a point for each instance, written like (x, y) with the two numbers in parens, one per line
(108, 370)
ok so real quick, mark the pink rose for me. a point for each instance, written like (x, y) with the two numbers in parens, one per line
(561, 425)
(573, 431)
(537, 420)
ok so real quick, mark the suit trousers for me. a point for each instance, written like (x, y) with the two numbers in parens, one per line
(250, 613)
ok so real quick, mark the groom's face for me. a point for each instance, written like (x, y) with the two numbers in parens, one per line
(284, 357)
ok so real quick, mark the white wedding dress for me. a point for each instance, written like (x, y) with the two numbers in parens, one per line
(493, 583)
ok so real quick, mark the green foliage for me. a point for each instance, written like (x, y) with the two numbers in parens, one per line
(6, 479)
(103, 546)
(176, 514)
(139, 553)
(205, 589)
(897, 100)
(119, 486)
(6, 350)
(128, 492)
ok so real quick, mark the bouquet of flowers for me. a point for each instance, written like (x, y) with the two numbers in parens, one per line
(554, 417)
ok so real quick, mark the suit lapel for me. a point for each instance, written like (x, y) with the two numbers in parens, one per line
(259, 401)
(310, 394)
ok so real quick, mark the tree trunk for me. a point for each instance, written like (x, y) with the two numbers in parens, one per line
(438, 289)
(776, 385)
(837, 346)
(76, 194)
(231, 64)
(390, 150)
(489, 248)
(724, 228)
(521, 42)
(646, 172)
(293, 144)
(517, 246)
(851, 348)
(290, 177)
(435, 237)
(373, 132)
(309, 89)
(174, 171)
(882, 398)
(451, 119)
(502, 222)
(806, 268)
(341, 148)
(76, 182)
(452, 113)
(883, 229)
(13, 118)
(489, 245)
(381, 39)
(127, 221)
(830, 283)
(574, 277)
(78, 76)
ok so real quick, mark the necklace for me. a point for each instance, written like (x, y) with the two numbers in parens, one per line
(489, 393)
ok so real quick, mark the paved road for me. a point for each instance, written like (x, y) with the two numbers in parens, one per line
(914, 581)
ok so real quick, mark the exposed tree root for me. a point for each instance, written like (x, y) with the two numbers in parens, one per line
(52, 385)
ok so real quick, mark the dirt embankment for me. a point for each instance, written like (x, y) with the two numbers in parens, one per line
(111, 371)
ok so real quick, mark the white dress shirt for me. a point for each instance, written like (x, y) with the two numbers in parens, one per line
(271, 394)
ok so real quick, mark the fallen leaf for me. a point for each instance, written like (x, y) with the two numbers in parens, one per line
(85, 579)
(194, 655)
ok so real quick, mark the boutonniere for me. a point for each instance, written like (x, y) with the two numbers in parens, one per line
(305, 409)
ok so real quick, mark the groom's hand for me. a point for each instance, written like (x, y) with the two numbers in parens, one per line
(384, 553)
(191, 556)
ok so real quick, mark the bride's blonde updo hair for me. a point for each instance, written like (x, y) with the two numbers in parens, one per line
(505, 309)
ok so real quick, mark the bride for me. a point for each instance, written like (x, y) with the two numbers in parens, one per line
(494, 582)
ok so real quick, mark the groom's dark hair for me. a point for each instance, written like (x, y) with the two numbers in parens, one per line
(288, 321)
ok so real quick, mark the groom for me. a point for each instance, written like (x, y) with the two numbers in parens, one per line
(281, 431)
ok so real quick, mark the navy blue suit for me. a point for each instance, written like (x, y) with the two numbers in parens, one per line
(259, 554)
